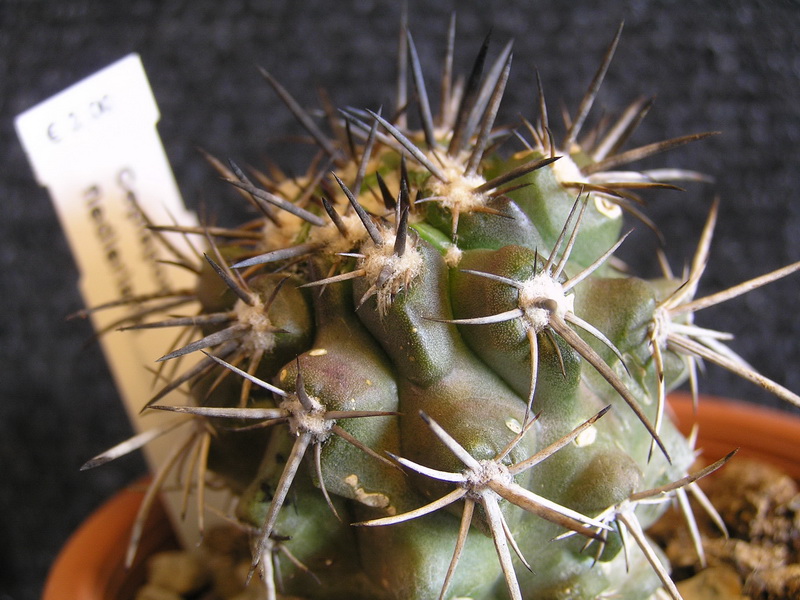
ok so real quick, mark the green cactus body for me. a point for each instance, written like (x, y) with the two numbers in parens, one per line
(453, 376)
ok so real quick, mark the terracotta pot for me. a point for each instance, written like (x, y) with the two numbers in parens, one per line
(90, 565)
(761, 433)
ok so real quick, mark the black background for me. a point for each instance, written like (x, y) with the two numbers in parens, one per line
(731, 66)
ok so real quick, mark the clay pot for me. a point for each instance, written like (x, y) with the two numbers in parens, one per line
(761, 433)
(90, 566)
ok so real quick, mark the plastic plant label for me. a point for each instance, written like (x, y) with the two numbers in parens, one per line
(96, 148)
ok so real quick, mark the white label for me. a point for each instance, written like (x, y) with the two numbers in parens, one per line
(96, 147)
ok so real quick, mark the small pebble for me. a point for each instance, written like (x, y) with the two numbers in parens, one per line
(154, 592)
(180, 572)
(713, 583)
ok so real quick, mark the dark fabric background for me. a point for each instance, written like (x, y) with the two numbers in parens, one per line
(732, 66)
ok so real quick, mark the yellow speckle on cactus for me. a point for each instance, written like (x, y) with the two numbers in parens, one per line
(586, 437)
(374, 500)
(569, 174)
(567, 171)
(606, 207)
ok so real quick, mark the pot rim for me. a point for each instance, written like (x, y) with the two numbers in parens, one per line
(760, 432)
(89, 566)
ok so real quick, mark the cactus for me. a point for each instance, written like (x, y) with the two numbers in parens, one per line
(424, 373)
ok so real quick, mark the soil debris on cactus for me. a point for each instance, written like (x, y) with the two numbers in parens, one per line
(434, 320)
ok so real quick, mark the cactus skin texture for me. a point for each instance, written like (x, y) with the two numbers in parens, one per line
(426, 374)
